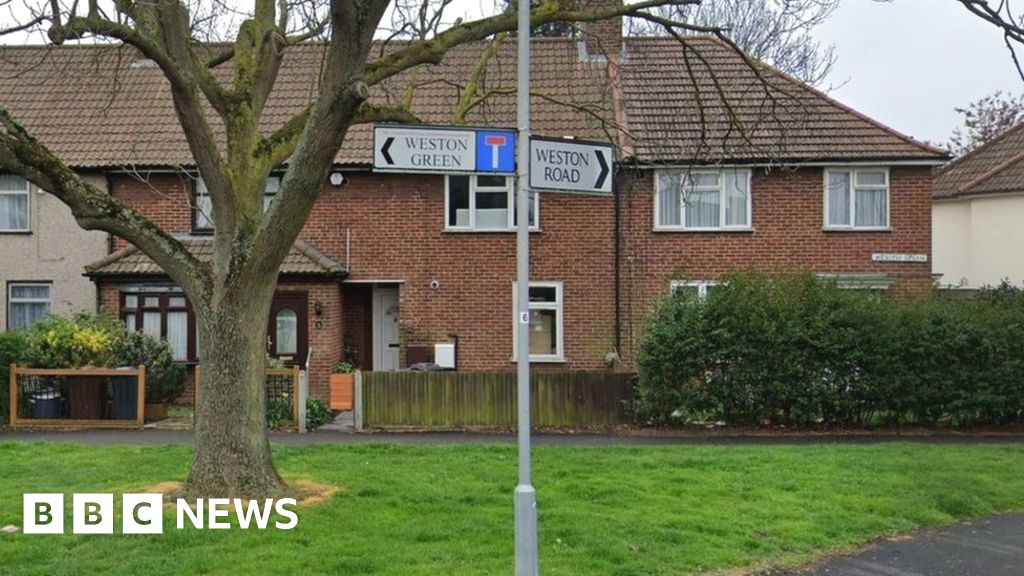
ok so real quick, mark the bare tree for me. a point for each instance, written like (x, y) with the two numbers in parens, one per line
(778, 32)
(984, 119)
(1008, 16)
(232, 294)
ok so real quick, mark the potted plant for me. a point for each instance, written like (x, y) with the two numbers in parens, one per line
(343, 383)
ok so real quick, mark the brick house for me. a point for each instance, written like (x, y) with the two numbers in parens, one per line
(719, 168)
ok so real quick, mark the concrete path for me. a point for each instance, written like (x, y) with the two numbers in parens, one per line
(155, 437)
(985, 547)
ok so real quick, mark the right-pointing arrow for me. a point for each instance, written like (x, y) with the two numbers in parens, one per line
(384, 150)
(604, 169)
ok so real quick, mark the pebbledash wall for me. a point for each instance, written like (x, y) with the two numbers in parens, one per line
(391, 228)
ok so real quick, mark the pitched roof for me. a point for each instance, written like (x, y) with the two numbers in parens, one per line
(996, 167)
(302, 260)
(99, 105)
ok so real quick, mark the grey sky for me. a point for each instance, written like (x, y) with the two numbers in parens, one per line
(906, 63)
(909, 63)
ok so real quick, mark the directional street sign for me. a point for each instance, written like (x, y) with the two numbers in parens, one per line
(571, 166)
(442, 149)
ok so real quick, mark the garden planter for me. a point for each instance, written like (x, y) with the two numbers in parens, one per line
(342, 391)
(156, 412)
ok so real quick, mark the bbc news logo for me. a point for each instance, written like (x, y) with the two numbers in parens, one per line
(144, 514)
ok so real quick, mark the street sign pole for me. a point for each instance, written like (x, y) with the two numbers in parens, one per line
(525, 496)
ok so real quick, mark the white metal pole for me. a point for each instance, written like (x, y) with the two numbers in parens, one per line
(525, 496)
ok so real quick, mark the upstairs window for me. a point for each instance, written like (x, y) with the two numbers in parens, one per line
(484, 203)
(203, 213)
(14, 200)
(703, 200)
(857, 199)
(693, 288)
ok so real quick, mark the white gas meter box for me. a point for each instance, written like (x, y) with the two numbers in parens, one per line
(444, 355)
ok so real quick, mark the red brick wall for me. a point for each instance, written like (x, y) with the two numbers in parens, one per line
(396, 227)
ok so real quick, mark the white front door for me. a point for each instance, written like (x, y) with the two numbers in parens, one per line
(385, 328)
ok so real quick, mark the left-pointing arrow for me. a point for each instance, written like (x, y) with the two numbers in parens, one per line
(384, 150)
(604, 169)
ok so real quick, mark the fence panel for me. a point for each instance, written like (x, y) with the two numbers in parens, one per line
(462, 399)
(81, 398)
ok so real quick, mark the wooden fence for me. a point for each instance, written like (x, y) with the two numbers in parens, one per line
(81, 398)
(465, 399)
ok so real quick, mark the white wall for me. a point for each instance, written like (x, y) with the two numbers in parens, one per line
(56, 250)
(979, 241)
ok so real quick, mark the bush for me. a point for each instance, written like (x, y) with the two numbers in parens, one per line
(165, 378)
(12, 351)
(796, 350)
(74, 342)
(317, 413)
(279, 409)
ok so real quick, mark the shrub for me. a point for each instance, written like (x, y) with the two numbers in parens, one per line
(279, 409)
(165, 378)
(797, 350)
(317, 413)
(12, 351)
(74, 341)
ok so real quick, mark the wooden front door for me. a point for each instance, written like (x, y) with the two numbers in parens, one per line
(288, 332)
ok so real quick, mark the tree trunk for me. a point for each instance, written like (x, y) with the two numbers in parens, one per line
(232, 457)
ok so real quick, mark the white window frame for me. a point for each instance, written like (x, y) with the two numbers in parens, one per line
(11, 300)
(511, 189)
(701, 285)
(270, 189)
(558, 306)
(853, 170)
(682, 227)
(27, 193)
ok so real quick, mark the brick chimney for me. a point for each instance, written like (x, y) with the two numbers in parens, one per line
(601, 39)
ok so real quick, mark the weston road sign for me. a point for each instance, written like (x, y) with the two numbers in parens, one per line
(571, 166)
(441, 149)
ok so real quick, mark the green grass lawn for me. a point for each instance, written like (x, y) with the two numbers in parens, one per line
(409, 510)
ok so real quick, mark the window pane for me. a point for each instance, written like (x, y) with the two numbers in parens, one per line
(736, 195)
(669, 200)
(204, 212)
(533, 209)
(838, 198)
(874, 178)
(129, 322)
(543, 332)
(272, 185)
(12, 183)
(871, 208)
(176, 302)
(30, 292)
(131, 301)
(151, 324)
(177, 335)
(13, 211)
(492, 210)
(24, 314)
(543, 294)
(702, 209)
(688, 290)
(287, 341)
(491, 182)
(458, 201)
(702, 180)
(151, 302)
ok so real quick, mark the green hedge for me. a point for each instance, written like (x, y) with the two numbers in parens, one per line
(797, 350)
(12, 351)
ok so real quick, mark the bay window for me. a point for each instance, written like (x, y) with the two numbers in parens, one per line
(717, 199)
(163, 316)
(483, 202)
(857, 199)
(14, 201)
